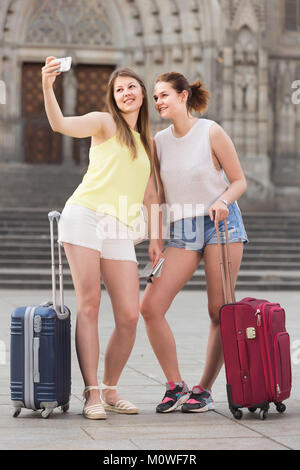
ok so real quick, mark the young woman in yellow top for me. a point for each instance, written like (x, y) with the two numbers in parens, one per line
(96, 226)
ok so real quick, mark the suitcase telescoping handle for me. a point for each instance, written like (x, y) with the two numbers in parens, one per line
(55, 215)
(225, 282)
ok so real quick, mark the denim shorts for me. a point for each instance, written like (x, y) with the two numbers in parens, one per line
(195, 233)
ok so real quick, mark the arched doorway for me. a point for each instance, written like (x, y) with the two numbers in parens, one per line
(41, 145)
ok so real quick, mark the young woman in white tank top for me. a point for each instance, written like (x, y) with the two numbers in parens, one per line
(199, 174)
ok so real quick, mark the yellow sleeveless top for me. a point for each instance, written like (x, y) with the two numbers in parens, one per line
(114, 183)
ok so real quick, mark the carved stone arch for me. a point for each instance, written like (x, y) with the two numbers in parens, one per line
(18, 17)
(246, 15)
(63, 22)
(93, 33)
(246, 40)
(241, 12)
(134, 31)
(11, 15)
(245, 46)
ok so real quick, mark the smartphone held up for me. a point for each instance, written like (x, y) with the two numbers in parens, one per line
(65, 64)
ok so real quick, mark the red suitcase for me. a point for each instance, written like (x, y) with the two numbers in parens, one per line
(256, 348)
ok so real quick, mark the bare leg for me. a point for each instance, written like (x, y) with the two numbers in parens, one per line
(214, 353)
(85, 268)
(178, 268)
(122, 282)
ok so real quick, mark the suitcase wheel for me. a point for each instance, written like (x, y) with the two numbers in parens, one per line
(16, 412)
(65, 408)
(237, 414)
(263, 414)
(46, 412)
(280, 407)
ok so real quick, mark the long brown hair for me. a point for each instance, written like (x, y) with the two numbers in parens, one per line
(124, 134)
(198, 96)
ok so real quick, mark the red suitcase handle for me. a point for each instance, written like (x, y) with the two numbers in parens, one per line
(222, 266)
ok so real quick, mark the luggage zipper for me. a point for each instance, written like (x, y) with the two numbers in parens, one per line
(258, 316)
(271, 379)
(263, 346)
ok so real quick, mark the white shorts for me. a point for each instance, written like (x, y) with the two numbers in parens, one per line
(102, 232)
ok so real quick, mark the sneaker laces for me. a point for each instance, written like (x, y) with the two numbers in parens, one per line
(198, 394)
(173, 392)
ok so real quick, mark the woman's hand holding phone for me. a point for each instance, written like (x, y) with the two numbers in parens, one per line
(49, 71)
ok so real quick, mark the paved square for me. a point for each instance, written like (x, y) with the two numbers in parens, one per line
(142, 382)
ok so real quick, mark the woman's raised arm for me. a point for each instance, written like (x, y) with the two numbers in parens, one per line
(75, 126)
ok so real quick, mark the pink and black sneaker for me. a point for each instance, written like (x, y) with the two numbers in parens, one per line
(199, 401)
(175, 396)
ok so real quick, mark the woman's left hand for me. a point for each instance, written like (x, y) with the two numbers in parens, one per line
(221, 212)
(155, 252)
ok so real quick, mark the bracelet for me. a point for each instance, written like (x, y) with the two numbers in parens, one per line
(225, 202)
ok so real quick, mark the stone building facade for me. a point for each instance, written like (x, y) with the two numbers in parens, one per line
(247, 52)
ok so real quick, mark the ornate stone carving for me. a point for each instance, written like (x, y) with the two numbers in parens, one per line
(245, 12)
(250, 79)
(245, 72)
(245, 47)
(69, 22)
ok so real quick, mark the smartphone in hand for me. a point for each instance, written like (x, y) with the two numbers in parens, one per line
(149, 272)
(65, 64)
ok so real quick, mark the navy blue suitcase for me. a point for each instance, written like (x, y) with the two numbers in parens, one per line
(40, 357)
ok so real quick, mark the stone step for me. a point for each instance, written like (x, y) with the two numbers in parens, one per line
(37, 186)
(256, 275)
(271, 259)
(18, 222)
(44, 256)
(246, 264)
(256, 224)
(261, 259)
(259, 251)
(261, 285)
(40, 232)
(45, 239)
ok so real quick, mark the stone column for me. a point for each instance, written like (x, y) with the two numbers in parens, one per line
(10, 123)
(263, 104)
(297, 156)
(69, 105)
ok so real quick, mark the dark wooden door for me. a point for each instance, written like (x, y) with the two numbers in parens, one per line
(92, 83)
(40, 143)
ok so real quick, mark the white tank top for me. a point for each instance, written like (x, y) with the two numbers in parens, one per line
(190, 179)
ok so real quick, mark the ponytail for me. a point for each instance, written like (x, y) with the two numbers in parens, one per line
(198, 98)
